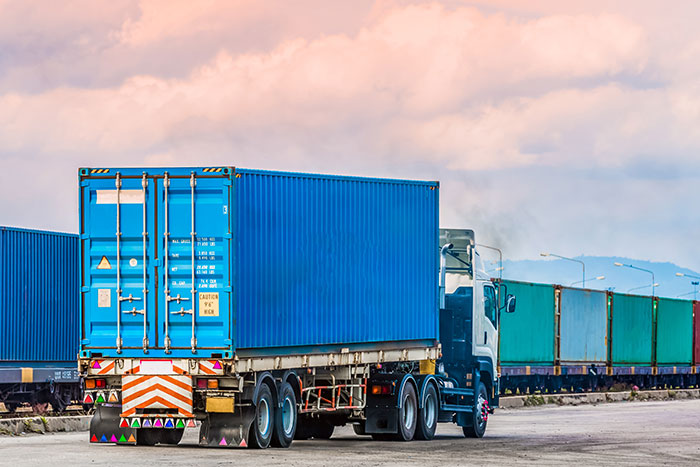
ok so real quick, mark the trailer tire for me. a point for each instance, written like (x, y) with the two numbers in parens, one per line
(323, 429)
(285, 418)
(263, 422)
(359, 429)
(428, 415)
(408, 413)
(479, 414)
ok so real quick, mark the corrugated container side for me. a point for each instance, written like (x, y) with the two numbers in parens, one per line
(674, 332)
(527, 336)
(583, 326)
(631, 329)
(328, 260)
(38, 296)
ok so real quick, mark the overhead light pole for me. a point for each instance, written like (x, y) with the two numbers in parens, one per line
(693, 283)
(500, 259)
(598, 278)
(583, 265)
(653, 281)
(642, 287)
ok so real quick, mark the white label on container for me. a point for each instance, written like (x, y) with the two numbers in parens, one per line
(125, 196)
(208, 303)
(155, 367)
(104, 298)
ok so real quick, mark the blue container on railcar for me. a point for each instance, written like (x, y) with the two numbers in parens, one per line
(39, 291)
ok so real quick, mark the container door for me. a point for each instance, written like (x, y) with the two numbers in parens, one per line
(195, 236)
(117, 229)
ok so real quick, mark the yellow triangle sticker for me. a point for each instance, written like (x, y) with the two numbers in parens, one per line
(104, 264)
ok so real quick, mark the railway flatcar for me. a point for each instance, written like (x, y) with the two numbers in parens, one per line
(39, 322)
(572, 339)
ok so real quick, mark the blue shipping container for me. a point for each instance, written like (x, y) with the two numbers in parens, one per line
(583, 326)
(38, 298)
(281, 262)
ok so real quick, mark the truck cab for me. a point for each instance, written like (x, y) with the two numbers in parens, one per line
(469, 321)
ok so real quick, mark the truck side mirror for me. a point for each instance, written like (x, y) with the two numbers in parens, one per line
(510, 303)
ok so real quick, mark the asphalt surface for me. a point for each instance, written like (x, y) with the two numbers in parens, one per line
(628, 433)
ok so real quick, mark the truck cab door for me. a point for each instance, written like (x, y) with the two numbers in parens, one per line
(485, 321)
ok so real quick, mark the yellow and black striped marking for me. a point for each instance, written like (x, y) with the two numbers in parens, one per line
(213, 169)
(99, 171)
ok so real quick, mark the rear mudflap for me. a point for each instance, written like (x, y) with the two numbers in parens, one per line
(226, 429)
(104, 426)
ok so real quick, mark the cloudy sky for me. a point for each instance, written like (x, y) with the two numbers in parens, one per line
(570, 127)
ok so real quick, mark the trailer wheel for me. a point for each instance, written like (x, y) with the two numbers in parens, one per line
(480, 415)
(323, 429)
(172, 436)
(285, 418)
(262, 427)
(359, 428)
(148, 437)
(408, 413)
(428, 415)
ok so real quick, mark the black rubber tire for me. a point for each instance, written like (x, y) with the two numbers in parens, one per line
(264, 419)
(282, 438)
(172, 436)
(428, 415)
(407, 414)
(323, 429)
(303, 431)
(359, 429)
(478, 425)
(148, 437)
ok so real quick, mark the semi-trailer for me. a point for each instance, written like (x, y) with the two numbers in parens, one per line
(274, 306)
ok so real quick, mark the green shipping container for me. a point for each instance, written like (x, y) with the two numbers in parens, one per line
(631, 330)
(527, 336)
(674, 332)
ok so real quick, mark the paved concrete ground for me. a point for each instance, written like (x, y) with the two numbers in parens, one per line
(650, 433)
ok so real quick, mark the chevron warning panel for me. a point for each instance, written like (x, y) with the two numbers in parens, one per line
(157, 392)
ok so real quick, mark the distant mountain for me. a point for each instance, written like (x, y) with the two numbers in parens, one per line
(619, 279)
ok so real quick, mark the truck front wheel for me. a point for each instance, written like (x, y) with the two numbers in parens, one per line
(480, 415)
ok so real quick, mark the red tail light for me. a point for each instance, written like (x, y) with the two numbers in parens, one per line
(381, 389)
(202, 383)
(100, 383)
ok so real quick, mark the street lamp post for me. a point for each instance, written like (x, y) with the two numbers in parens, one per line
(693, 283)
(653, 281)
(500, 259)
(599, 278)
(642, 287)
(583, 265)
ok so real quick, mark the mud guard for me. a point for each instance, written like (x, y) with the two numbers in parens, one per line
(104, 426)
(226, 429)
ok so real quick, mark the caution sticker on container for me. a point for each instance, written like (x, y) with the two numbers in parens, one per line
(104, 298)
(104, 264)
(209, 304)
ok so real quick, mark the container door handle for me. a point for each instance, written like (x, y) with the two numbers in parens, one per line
(166, 234)
(193, 235)
(144, 233)
(118, 185)
(486, 335)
